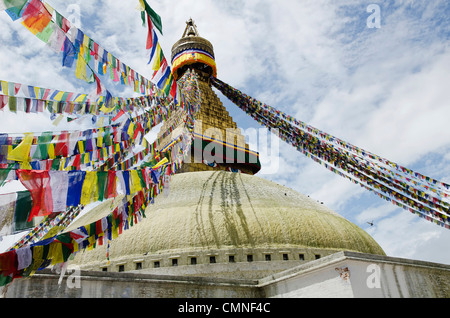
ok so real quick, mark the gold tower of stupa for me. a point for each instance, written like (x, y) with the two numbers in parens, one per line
(218, 143)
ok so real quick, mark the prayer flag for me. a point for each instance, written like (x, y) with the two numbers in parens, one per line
(22, 152)
(62, 22)
(24, 204)
(38, 183)
(161, 77)
(6, 4)
(157, 63)
(119, 114)
(75, 184)
(14, 8)
(59, 181)
(155, 18)
(36, 17)
(68, 53)
(89, 192)
(61, 146)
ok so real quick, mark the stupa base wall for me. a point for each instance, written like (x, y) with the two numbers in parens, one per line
(341, 275)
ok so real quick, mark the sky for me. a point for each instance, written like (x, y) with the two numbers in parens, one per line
(376, 78)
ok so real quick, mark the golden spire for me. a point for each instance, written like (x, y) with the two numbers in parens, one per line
(218, 143)
(191, 29)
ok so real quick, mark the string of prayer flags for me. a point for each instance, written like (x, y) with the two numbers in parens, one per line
(49, 190)
(57, 32)
(57, 249)
(390, 181)
(48, 227)
(30, 99)
(162, 72)
(54, 191)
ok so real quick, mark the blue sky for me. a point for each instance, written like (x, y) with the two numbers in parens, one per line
(382, 89)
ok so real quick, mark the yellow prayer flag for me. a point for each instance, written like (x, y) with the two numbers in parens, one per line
(22, 151)
(80, 98)
(141, 6)
(58, 96)
(157, 63)
(159, 164)
(25, 165)
(130, 130)
(100, 138)
(89, 190)
(109, 57)
(4, 87)
(81, 146)
(115, 233)
(85, 41)
(107, 110)
(56, 253)
(80, 71)
(51, 151)
(38, 253)
(36, 91)
(135, 182)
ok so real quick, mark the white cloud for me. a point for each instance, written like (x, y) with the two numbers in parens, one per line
(402, 234)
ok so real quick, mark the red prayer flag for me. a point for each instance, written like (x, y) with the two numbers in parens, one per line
(36, 17)
(99, 86)
(3, 101)
(119, 114)
(7, 263)
(173, 89)
(112, 190)
(77, 161)
(61, 147)
(38, 183)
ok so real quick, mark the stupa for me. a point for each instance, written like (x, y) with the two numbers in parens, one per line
(217, 218)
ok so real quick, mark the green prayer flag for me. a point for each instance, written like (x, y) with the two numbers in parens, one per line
(101, 183)
(107, 137)
(43, 143)
(14, 8)
(12, 104)
(14, 3)
(5, 280)
(141, 178)
(168, 86)
(24, 204)
(4, 173)
(156, 19)
(45, 35)
(55, 164)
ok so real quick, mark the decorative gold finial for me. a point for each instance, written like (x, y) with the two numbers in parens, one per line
(191, 29)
